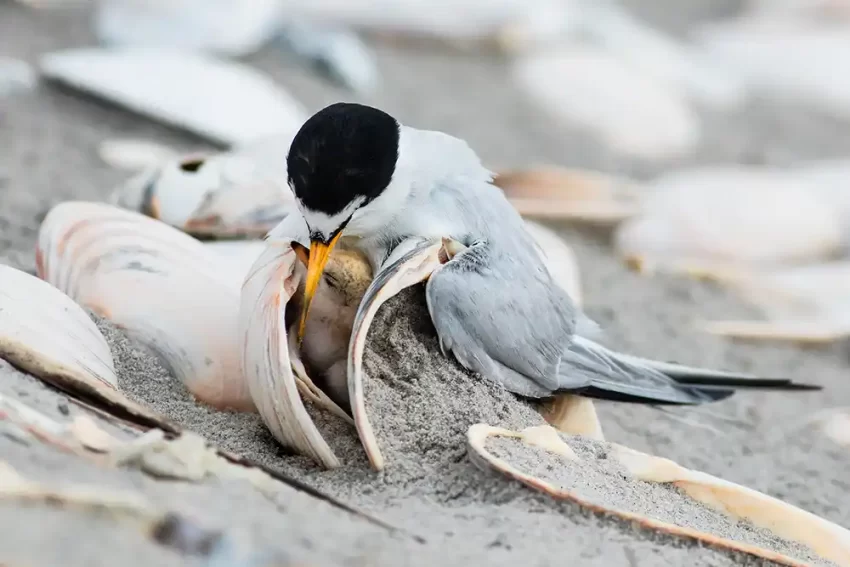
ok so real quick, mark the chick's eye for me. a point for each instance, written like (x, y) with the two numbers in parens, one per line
(332, 281)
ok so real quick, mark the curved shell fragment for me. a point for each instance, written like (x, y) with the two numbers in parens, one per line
(45, 333)
(271, 362)
(162, 287)
(735, 501)
(629, 111)
(408, 269)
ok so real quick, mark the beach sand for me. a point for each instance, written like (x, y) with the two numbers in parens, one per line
(445, 509)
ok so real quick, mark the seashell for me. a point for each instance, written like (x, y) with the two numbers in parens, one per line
(727, 499)
(802, 303)
(706, 219)
(569, 194)
(135, 155)
(271, 362)
(786, 59)
(222, 195)
(162, 287)
(612, 27)
(187, 90)
(224, 27)
(632, 113)
(43, 332)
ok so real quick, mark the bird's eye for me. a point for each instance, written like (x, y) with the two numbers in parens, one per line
(332, 281)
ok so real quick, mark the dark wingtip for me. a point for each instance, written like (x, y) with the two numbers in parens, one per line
(708, 382)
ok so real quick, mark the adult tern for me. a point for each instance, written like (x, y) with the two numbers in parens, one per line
(357, 174)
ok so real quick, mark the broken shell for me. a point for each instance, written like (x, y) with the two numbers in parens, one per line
(220, 195)
(162, 287)
(276, 376)
(409, 269)
(802, 304)
(569, 194)
(824, 538)
(713, 217)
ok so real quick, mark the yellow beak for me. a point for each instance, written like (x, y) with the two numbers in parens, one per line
(319, 253)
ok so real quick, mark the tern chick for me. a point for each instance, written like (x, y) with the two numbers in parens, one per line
(357, 173)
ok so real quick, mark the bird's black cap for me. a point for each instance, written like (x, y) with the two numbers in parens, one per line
(342, 152)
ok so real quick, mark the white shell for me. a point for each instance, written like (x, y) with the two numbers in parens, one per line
(45, 333)
(733, 214)
(630, 112)
(408, 269)
(227, 194)
(787, 60)
(265, 354)
(230, 27)
(223, 101)
(162, 287)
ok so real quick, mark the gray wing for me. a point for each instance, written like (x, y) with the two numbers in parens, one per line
(610, 375)
(502, 316)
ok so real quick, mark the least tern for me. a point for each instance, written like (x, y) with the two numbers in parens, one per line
(357, 173)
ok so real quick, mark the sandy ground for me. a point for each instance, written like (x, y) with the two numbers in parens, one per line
(48, 141)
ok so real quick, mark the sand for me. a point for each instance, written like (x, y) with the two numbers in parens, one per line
(48, 141)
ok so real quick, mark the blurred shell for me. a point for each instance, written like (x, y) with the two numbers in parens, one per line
(789, 60)
(630, 112)
(162, 287)
(786, 521)
(16, 76)
(135, 155)
(728, 215)
(802, 304)
(569, 194)
(224, 101)
(219, 195)
(230, 27)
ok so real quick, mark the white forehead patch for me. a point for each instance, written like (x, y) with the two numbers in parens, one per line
(325, 225)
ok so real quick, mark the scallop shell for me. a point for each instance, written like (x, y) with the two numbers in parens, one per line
(784, 520)
(162, 287)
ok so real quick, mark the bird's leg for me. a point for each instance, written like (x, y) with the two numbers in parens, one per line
(810, 331)
(573, 415)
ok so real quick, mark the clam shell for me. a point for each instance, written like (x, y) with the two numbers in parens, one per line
(223, 101)
(802, 303)
(786, 521)
(709, 217)
(275, 375)
(43, 332)
(409, 269)
(162, 287)
(569, 194)
(219, 195)
(628, 111)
